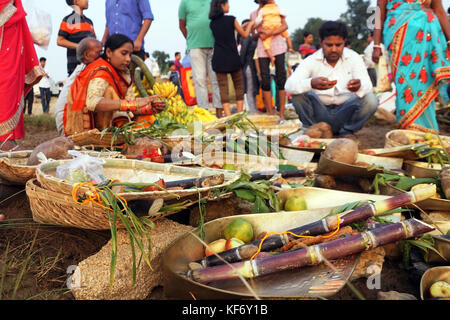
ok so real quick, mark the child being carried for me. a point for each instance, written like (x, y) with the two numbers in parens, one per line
(270, 17)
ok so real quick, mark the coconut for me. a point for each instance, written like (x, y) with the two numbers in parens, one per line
(400, 138)
(342, 150)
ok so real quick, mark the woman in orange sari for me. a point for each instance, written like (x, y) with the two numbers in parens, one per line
(102, 95)
(19, 71)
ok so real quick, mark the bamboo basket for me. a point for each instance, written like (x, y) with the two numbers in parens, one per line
(49, 207)
(14, 169)
(257, 120)
(133, 171)
(389, 143)
(94, 137)
(250, 163)
(55, 208)
(191, 144)
(335, 168)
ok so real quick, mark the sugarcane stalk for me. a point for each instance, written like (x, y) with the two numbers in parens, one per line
(312, 255)
(325, 225)
(138, 83)
(141, 64)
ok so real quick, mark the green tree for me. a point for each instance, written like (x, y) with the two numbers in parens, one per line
(312, 25)
(162, 59)
(356, 18)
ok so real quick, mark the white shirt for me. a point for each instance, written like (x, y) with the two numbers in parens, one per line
(153, 67)
(368, 55)
(45, 82)
(62, 98)
(350, 67)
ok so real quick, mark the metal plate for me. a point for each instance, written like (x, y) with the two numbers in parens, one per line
(308, 282)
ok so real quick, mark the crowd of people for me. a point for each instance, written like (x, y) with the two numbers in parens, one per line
(333, 83)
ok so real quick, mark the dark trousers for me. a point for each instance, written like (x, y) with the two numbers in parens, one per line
(280, 72)
(373, 76)
(29, 99)
(345, 119)
(45, 98)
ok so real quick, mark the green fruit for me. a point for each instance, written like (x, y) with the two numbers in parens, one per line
(428, 136)
(295, 203)
(79, 176)
(228, 166)
(239, 228)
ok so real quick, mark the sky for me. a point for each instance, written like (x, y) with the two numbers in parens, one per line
(164, 34)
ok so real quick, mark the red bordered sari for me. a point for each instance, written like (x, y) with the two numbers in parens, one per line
(419, 57)
(19, 68)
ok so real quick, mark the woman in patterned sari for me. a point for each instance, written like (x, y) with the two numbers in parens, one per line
(19, 71)
(102, 95)
(416, 34)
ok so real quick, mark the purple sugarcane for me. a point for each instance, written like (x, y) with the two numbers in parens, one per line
(313, 255)
(320, 227)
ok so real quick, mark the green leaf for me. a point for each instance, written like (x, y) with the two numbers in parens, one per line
(245, 194)
(286, 167)
(260, 206)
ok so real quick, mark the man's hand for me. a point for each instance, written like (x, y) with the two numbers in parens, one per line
(354, 85)
(322, 83)
(137, 45)
(377, 53)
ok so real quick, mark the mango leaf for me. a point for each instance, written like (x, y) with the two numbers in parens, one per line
(260, 206)
(245, 194)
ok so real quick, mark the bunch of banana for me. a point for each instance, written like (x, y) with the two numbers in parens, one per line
(166, 90)
(203, 115)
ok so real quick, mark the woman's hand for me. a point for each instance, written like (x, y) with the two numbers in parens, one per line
(142, 102)
(154, 107)
(377, 53)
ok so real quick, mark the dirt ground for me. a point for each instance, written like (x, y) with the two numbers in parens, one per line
(34, 259)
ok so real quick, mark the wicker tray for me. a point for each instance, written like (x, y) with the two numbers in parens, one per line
(250, 163)
(54, 208)
(389, 143)
(133, 171)
(14, 169)
(94, 137)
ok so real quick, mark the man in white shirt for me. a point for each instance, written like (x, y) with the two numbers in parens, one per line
(44, 87)
(88, 50)
(333, 85)
(370, 65)
(152, 65)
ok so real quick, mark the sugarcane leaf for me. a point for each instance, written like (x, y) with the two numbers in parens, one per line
(260, 206)
(245, 195)
(425, 246)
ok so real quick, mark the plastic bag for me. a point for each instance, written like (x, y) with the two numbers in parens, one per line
(383, 81)
(83, 168)
(39, 23)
